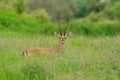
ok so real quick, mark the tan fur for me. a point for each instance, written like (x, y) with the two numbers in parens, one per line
(31, 51)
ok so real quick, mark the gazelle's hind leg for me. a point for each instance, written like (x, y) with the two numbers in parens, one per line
(28, 53)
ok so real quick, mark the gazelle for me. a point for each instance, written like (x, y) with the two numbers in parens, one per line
(61, 36)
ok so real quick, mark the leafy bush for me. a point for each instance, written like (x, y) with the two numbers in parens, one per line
(41, 16)
(95, 29)
(19, 6)
(6, 6)
(15, 22)
(113, 11)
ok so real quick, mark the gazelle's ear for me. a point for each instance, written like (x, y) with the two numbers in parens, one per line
(56, 34)
(68, 34)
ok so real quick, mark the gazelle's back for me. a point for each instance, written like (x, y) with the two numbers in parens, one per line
(31, 51)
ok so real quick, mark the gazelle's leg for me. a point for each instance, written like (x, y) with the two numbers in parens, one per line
(29, 53)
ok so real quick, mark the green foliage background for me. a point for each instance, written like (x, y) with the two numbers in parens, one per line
(92, 52)
(88, 17)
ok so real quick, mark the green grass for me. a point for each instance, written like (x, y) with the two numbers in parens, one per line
(84, 58)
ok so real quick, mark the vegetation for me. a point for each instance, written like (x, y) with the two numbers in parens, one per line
(14, 22)
(91, 53)
(84, 58)
(29, 18)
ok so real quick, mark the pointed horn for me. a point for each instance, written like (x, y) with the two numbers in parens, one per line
(59, 27)
(66, 28)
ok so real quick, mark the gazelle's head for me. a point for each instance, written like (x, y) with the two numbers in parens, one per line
(64, 35)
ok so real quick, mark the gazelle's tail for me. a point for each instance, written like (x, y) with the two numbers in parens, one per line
(24, 53)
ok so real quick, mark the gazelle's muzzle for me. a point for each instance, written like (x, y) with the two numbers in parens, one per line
(62, 42)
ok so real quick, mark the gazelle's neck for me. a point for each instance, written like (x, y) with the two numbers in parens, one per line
(61, 45)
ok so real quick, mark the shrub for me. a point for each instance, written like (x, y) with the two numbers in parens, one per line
(19, 6)
(15, 22)
(41, 16)
(95, 29)
(113, 11)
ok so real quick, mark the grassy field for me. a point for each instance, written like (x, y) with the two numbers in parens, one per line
(84, 58)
